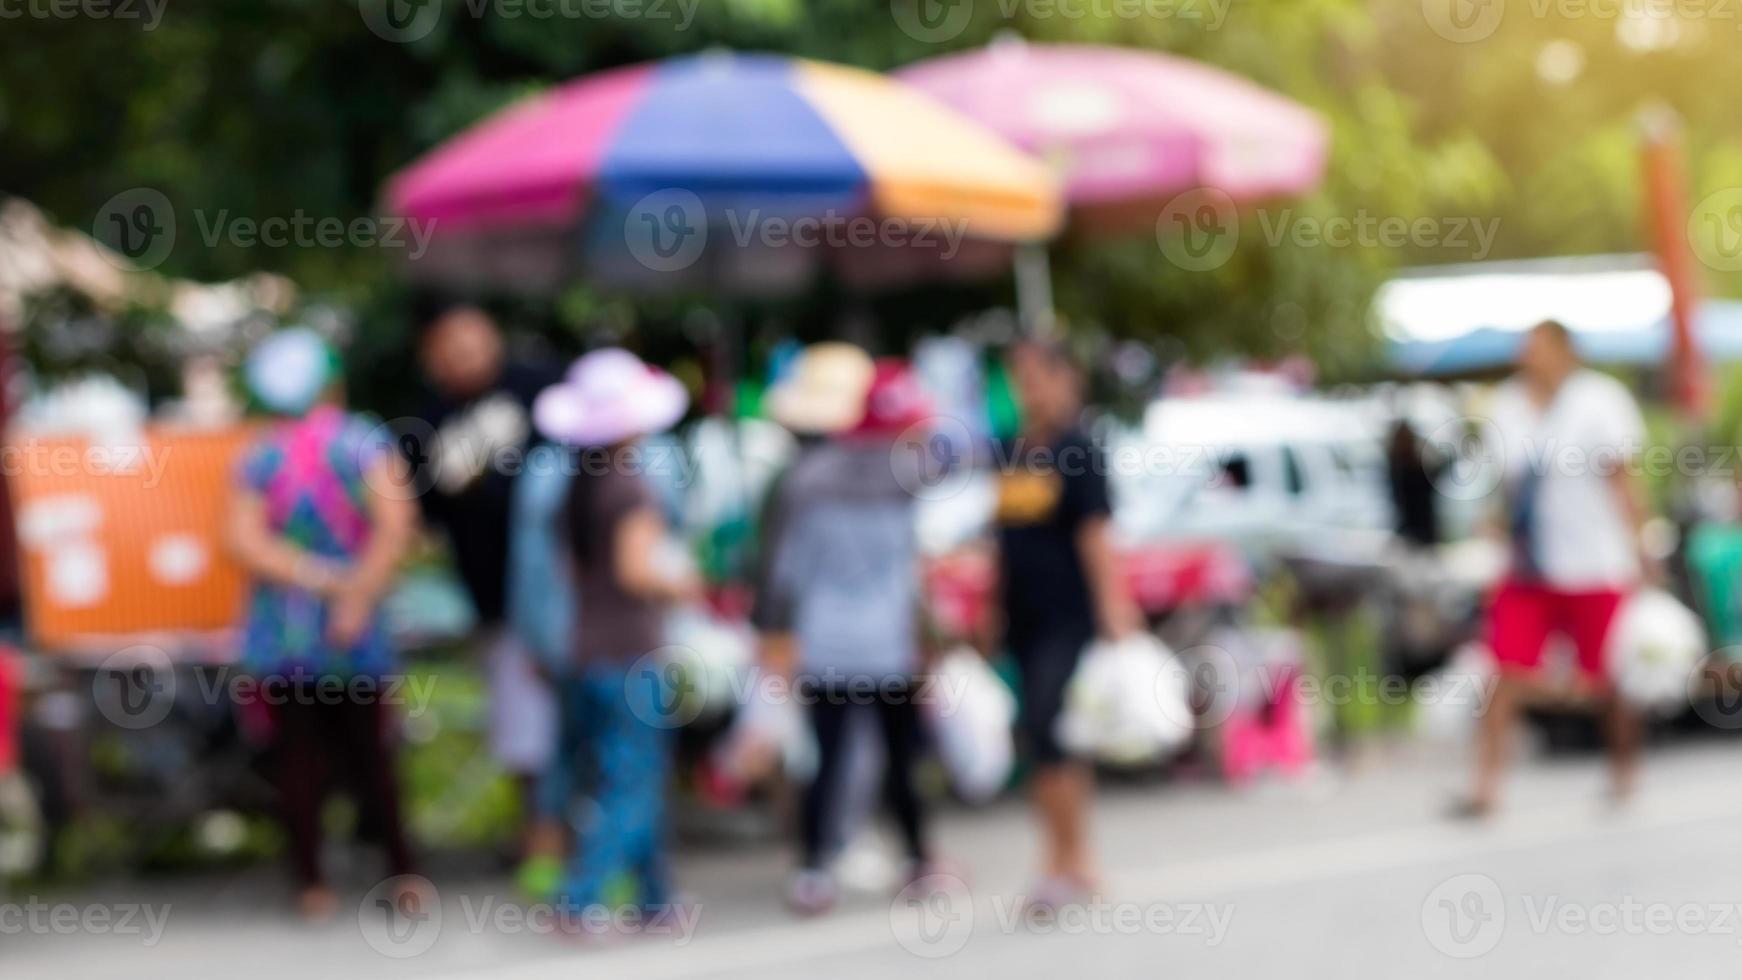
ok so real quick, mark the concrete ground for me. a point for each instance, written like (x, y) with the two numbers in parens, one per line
(1353, 874)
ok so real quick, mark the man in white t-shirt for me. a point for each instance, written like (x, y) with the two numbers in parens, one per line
(1573, 516)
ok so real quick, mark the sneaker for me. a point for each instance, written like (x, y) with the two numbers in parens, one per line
(538, 878)
(811, 892)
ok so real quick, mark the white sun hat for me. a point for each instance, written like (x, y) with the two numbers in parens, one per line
(609, 395)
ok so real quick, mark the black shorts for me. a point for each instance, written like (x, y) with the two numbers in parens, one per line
(1045, 660)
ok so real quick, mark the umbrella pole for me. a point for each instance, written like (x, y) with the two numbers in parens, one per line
(732, 344)
(1033, 268)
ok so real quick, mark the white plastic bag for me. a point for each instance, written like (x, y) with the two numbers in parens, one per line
(1128, 703)
(1653, 647)
(770, 734)
(971, 713)
(713, 655)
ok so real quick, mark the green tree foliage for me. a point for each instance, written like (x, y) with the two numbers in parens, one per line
(283, 107)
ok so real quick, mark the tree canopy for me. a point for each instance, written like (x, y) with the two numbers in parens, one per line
(1524, 125)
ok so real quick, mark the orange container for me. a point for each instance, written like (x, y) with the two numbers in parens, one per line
(116, 540)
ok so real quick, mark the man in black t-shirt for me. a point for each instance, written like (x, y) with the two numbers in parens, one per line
(477, 429)
(1060, 587)
(479, 410)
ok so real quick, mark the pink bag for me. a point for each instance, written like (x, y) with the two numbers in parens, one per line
(11, 679)
(1274, 737)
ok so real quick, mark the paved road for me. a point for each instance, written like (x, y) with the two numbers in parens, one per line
(1350, 876)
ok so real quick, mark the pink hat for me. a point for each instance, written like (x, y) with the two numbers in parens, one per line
(608, 396)
(894, 403)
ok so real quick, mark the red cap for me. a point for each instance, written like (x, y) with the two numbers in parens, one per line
(894, 403)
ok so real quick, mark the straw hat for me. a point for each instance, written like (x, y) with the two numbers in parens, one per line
(825, 391)
(609, 395)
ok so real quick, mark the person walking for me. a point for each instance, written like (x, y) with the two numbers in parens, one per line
(1410, 476)
(1059, 587)
(614, 721)
(541, 612)
(1574, 514)
(317, 524)
(845, 566)
(476, 434)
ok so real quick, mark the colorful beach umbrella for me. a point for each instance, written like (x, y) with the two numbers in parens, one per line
(1127, 129)
(741, 171)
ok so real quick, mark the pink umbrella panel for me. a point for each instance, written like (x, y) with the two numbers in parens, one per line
(1127, 129)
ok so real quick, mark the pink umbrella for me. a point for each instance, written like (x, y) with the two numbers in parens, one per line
(1129, 129)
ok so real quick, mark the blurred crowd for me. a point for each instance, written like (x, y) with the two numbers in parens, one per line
(573, 568)
(850, 656)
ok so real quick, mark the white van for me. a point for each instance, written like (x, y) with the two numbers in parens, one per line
(1265, 472)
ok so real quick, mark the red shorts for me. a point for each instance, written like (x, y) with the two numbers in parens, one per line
(1522, 615)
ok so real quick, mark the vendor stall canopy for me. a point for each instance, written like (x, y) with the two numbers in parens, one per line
(1470, 318)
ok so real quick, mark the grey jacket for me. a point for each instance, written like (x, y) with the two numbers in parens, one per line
(845, 568)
